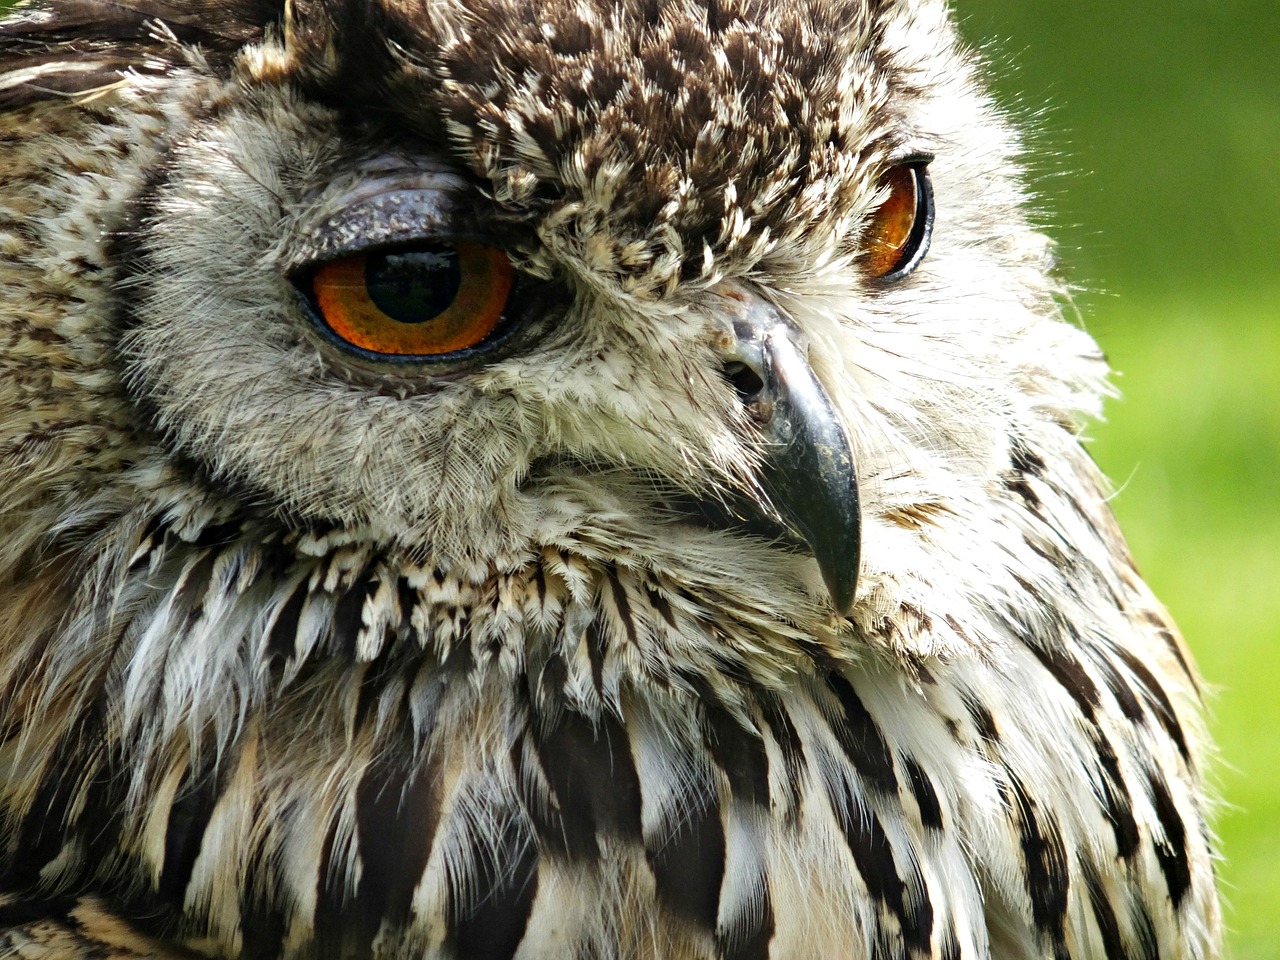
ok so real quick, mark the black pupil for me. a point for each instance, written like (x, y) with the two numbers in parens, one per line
(413, 286)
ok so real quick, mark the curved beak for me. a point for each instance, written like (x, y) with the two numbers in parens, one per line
(807, 471)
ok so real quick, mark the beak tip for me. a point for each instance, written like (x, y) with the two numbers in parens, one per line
(842, 591)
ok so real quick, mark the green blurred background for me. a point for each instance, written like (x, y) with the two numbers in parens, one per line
(1155, 146)
(1156, 149)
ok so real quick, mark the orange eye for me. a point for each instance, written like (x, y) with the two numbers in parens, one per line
(427, 301)
(898, 235)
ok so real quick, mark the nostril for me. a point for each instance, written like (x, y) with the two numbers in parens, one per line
(745, 380)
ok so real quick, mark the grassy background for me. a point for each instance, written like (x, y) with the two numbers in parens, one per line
(1157, 149)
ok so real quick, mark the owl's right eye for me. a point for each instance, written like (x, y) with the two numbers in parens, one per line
(431, 301)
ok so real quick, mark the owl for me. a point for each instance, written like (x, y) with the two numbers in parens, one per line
(587, 479)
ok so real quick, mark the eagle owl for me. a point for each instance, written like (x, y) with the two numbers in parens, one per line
(587, 479)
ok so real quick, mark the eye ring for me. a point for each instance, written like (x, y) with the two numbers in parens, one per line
(898, 233)
(439, 300)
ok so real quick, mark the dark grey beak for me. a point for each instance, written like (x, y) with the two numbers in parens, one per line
(807, 471)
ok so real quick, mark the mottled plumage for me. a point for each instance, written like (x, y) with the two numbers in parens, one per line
(539, 651)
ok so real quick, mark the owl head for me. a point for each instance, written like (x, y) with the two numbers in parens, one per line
(740, 295)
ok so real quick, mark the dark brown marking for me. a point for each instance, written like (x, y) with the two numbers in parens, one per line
(52, 821)
(1116, 801)
(738, 752)
(348, 615)
(917, 932)
(959, 629)
(873, 856)
(263, 928)
(376, 678)
(151, 537)
(189, 815)
(661, 606)
(949, 946)
(688, 866)
(1071, 677)
(747, 936)
(594, 783)
(1146, 931)
(983, 720)
(1025, 460)
(1120, 689)
(1159, 701)
(1171, 852)
(861, 739)
(34, 908)
(1045, 863)
(407, 597)
(218, 535)
(619, 595)
(551, 679)
(1171, 641)
(282, 640)
(540, 584)
(331, 896)
(398, 809)
(1108, 926)
(595, 653)
(926, 796)
(1017, 483)
(505, 883)
(774, 717)
(191, 595)
(1048, 552)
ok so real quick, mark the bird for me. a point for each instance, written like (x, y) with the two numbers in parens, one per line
(601, 479)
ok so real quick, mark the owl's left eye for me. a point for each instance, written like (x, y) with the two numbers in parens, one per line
(427, 302)
(897, 236)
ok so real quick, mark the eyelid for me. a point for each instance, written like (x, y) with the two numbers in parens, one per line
(907, 157)
(386, 220)
(392, 176)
